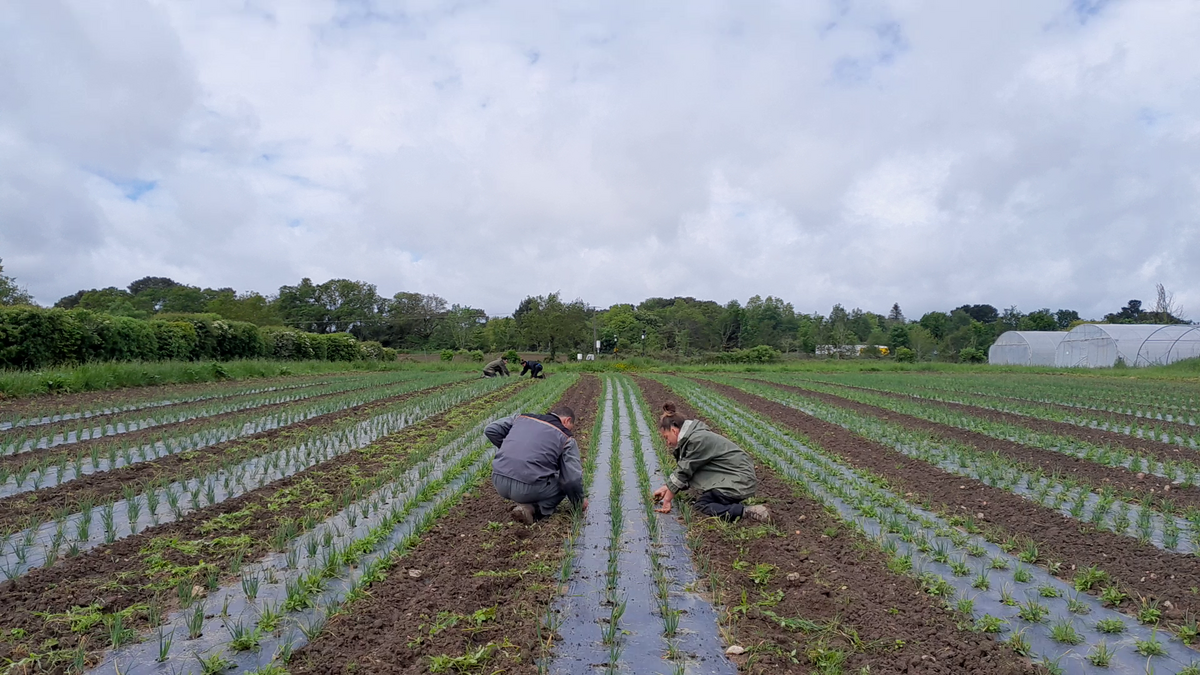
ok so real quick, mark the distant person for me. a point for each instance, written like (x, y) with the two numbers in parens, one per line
(496, 368)
(537, 463)
(534, 368)
(720, 473)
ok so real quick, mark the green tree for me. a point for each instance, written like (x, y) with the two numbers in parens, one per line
(1042, 319)
(10, 292)
(463, 324)
(251, 307)
(1065, 317)
(547, 323)
(937, 323)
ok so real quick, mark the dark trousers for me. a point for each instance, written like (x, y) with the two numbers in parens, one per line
(544, 495)
(716, 504)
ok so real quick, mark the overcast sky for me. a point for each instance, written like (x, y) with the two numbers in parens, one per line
(1028, 152)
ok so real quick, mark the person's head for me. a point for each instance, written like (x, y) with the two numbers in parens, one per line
(565, 415)
(523, 362)
(669, 424)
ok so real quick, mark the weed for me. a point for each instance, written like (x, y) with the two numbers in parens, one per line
(1110, 626)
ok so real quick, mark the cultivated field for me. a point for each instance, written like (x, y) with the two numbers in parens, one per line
(924, 523)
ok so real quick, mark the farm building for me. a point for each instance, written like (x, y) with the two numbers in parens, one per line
(1025, 348)
(1103, 345)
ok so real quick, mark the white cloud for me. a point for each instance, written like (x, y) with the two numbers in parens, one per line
(1022, 153)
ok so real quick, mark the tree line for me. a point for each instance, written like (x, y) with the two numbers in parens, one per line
(680, 326)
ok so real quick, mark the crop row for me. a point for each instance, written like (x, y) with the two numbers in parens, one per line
(1071, 497)
(68, 463)
(70, 533)
(276, 605)
(136, 399)
(1038, 614)
(628, 569)
(51, 435)
(1172, 402)
(1177, 467)
(1170, 430)
(171, 565)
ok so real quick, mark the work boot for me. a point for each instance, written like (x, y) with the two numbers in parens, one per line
(758, 513)
(522, 513)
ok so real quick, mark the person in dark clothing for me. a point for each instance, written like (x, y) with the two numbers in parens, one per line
(537, 463)
(721, 472)
(534, 368)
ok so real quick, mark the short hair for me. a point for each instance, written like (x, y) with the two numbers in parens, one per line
(563, 411)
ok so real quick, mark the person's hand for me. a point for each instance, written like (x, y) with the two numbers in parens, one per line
(663, 494)
(585, 503)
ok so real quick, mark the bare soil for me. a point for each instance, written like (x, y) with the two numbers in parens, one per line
(1140, 484)
(827, 574)
(473, 559)
(1139, 569)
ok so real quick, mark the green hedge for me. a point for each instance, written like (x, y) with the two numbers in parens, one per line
(33, 337)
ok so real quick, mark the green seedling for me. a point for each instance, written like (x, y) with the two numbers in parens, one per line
(1064, 631)
(1033, 611)
(1110, 626)
(1100, 655)
(990, 624)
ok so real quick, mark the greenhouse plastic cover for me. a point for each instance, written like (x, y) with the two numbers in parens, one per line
(1102, 345)
(1025, 348)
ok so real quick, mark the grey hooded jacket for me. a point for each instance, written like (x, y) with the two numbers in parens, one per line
(531, 448)
(709, 461)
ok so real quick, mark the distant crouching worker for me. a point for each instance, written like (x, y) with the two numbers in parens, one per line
(537, 463)
(721, 474)
(534, 368)
(495, 368)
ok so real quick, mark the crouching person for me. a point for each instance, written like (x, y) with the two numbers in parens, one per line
(720, 473)
(537, 463)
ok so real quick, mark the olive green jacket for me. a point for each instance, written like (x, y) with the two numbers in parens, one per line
(709, 461)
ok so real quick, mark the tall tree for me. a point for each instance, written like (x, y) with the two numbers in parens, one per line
(1065, 317)
(463, 323)
(895, 316)
(10, 292)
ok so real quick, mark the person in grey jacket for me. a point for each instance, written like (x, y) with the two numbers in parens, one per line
(497, 367)
(721, 473)
(537, 463)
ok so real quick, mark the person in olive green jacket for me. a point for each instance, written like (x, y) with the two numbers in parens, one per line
(721, 473)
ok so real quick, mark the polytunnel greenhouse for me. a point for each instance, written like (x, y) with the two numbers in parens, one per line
(1025, 348)
(1103, 345)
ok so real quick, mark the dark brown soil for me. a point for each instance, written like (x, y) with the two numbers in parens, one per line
(828, 574)
(117, 576)
(149, 434)
(40, 505)
(472, 560)
(1143, 485)
(1159, 449)
(1139, 569)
